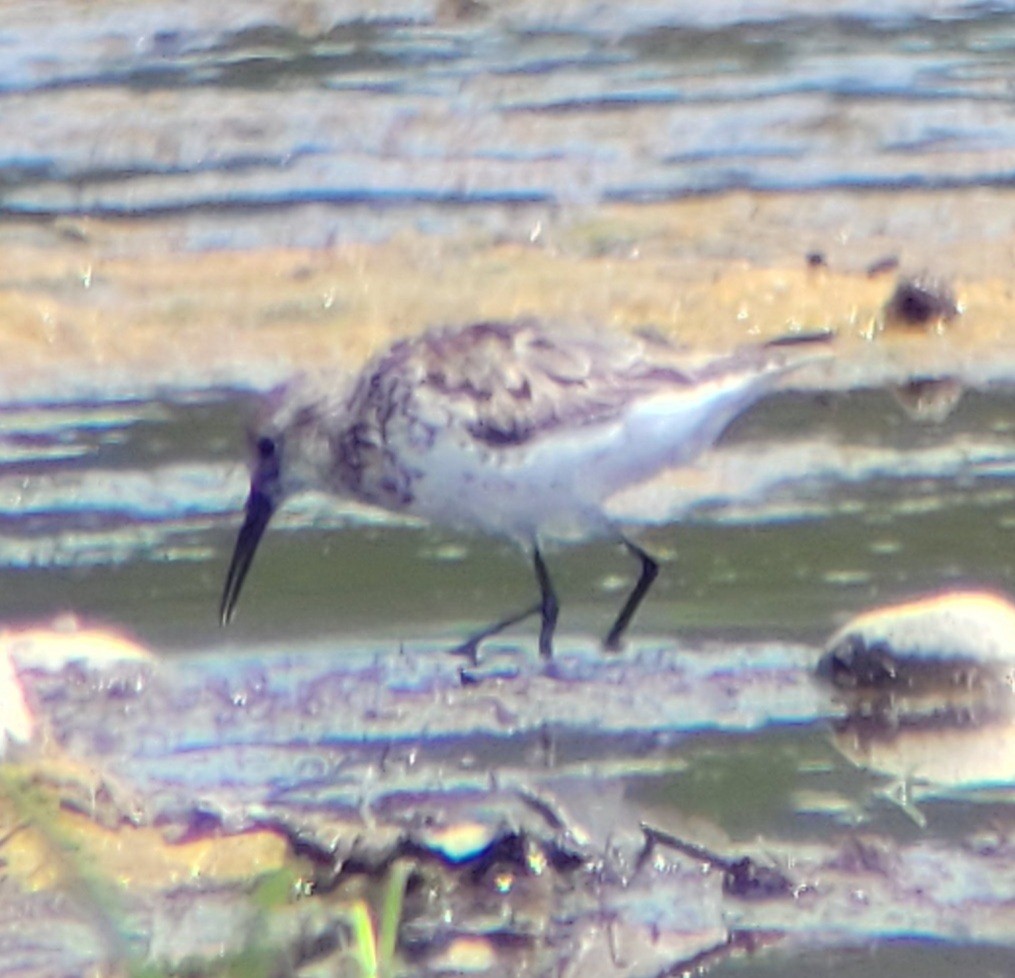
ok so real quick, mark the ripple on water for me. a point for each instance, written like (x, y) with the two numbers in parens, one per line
(523, 106)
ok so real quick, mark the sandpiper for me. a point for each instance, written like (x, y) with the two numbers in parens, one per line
(505, 428)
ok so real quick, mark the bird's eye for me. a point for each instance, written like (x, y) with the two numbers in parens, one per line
(265, 447)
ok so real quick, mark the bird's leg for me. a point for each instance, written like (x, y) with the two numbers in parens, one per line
(649, 571)
(470, 647)
(548, 606)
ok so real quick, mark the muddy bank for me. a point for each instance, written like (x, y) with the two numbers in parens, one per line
(308, 814)
(98, 308)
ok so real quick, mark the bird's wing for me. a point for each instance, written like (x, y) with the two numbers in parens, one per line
(506, 383)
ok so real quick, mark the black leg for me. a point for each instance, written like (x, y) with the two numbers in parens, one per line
(548, 606)
(470, 647)
(547, 609)
(649, 571)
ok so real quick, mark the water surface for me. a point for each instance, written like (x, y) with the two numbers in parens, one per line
(160, 111)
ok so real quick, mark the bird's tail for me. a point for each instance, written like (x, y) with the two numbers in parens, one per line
(762, 364)
(812, 337)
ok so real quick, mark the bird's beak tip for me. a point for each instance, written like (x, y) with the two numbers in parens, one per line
(259, 511)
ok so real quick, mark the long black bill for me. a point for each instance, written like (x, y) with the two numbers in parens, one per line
(259, 510)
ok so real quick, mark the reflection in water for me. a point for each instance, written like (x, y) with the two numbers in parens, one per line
(928, 686)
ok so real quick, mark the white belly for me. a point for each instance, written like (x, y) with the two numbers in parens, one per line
(554, 486)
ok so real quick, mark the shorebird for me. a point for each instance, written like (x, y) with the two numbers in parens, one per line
(506, 428)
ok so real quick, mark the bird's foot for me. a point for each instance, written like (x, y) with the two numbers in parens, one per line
(613, 642)
(469, 649)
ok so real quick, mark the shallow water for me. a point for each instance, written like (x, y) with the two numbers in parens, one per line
(127, 513)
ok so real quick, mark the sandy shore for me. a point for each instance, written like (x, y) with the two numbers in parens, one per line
(113, 308)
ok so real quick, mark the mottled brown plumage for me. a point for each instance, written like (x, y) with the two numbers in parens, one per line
(510, 381)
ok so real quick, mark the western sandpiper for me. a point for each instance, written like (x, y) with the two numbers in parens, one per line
(505, 428)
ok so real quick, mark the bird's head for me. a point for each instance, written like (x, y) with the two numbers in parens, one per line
(284, 460)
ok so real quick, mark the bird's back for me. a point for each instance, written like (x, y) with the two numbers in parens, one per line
(506, 383)
(472, 425)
